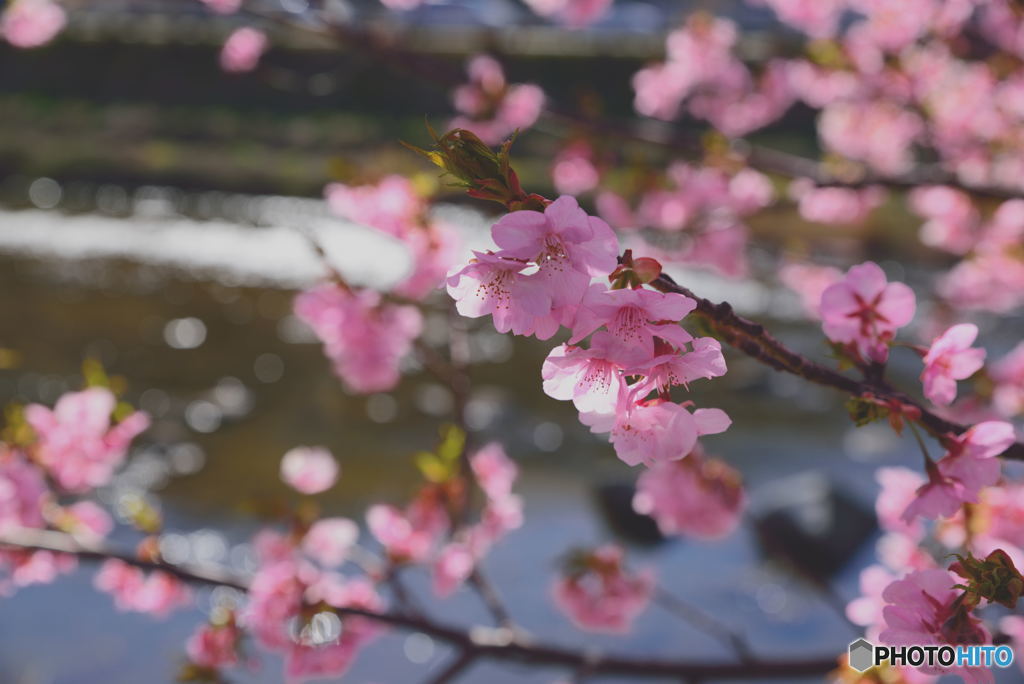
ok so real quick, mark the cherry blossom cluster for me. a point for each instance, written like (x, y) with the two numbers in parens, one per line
(599, 593)
(366, 334)
(48, 459)
(702, 72)
(492, 108)
(540, 280)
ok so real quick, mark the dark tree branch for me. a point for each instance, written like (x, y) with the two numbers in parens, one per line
(753, 340)
(474, 642)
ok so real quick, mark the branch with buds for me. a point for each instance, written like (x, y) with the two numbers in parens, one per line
(489, 175)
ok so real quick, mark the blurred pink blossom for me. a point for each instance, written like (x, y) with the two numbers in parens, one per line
(309, 470)
(76, 442)
(834, 204)
(573, 170)
(920, 610)
(1008, 375)
(864, 310)
(214, 646)
(329, 540)
(492, 109)
(599, 594)
(950, 358)
(809, 282)
(952, 221)
(242, 50)
(364, 337)
(157, 593)
(697, 496)
(31, 23)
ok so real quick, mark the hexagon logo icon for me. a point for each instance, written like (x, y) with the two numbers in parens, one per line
(862, 655)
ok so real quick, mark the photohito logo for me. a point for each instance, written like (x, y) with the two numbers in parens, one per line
(864, 655)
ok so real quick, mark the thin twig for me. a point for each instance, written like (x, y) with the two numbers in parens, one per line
(705, 623)
(496, 643)
(489, 595)
(459, 664)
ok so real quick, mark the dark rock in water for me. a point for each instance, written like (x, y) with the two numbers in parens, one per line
(809, 522)
(615, 504)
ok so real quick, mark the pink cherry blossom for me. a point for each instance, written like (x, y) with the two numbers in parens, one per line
(919, 609)
(494, 285)
(632, 316)
(434, 248)
(31, 23)
(899, 489)
(364, 337)
(969, 465)
(654, 431)
(309, 470)
(698, 54)
(671, 365)
(21, 568)
(567, 245)
(391, 206)
(1013, 627)
(272, 546)
(76, 442)
(951, 358)
(329, 540)
(275, 596)
(599, 594)
(952, 483)
(1008, 375)
(591, 378)
(878, 133)
(214, 646)
(982, 441)
(87, 520)
(500, 516)
(573, 170)
(835, 205)
(495, 472)
(408, 536)
(697, 496)
(489, 107)
(901, 553)
(242, 50)
(809, 282)
(952, 221)
(866, 610)
(615, 209)
(22, 492)
(453, 566)
(865, 310)
(157, 593)
(307, 659)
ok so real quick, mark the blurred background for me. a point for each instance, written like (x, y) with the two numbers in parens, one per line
(151, 217)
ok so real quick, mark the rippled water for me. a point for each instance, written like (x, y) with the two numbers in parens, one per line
(195, 315)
